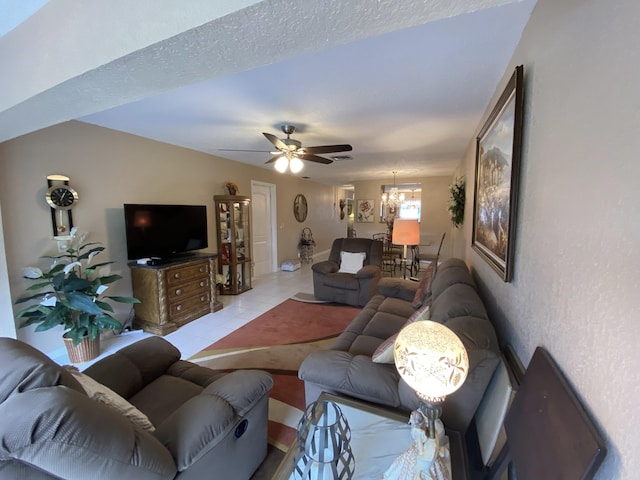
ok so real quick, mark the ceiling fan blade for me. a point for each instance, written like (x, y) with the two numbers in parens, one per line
(236, 150)
(314, 158)
(272, 160)
(280, 145)
(328, 149)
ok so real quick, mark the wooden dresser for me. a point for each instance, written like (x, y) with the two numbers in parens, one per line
(174, 293)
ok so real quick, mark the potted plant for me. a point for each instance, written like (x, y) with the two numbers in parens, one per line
(71, 294)
(456, 202)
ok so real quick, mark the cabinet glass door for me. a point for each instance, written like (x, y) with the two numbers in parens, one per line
(234, 243)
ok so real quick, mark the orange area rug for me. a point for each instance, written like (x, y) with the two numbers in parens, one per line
(278, 341)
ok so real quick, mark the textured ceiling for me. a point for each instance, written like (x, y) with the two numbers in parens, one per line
(406, 83)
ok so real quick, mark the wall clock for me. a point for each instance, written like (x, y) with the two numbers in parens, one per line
(300, 208)
(61, 198)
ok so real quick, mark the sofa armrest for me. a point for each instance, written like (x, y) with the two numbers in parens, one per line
(368, 271)
(127, 371)
(354, 375)
(325, 267)
(204, 420)
(397, 288)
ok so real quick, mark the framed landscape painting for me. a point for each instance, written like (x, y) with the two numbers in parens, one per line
(498, 149)
(364, 211)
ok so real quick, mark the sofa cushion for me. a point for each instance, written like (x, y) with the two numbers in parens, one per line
(163, 396)
(108, 397)
(458, 300)
(127, 371)
(341, 281)
(450, 272)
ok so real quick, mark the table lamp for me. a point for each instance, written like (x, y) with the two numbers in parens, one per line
(433, 362)
(405, 232)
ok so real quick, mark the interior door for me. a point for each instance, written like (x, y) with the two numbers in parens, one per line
(263, 230)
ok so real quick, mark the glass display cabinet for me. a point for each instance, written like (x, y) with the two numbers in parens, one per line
(234, 243)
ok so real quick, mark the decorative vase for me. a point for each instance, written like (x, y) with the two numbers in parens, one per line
(232, 191)
(84, 351)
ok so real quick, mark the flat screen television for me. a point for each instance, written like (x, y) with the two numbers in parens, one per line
(164, 231)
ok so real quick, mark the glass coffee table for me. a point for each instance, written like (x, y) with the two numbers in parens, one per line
(378, 437)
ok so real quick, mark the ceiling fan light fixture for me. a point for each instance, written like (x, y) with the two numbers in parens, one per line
(295, 165)
(281, 164)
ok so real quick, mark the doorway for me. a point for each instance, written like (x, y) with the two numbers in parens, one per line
(263, 228)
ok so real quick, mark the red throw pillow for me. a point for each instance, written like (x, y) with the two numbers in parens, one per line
(424, 287)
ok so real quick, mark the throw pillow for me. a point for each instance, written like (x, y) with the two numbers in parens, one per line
(351, 262)
(106, 396)
(424, 287)
(384, 352)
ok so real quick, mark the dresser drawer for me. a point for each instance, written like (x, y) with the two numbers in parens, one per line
(188, 305)
(187, 289)
(179, 275)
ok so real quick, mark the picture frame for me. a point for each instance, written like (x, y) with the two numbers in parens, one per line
(497, 171)
(365, 212)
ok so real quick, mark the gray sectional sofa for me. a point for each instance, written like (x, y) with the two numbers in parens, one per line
(347, 367)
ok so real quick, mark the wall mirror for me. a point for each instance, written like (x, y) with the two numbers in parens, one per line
(300, 208)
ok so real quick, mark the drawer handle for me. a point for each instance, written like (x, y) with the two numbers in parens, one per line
(176, 275)
(201, 269)
(202, 283)
(178, 308)
(202, 298)
(178, 291)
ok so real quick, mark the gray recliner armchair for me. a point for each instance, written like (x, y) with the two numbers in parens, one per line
(333, 279)
(207, 424)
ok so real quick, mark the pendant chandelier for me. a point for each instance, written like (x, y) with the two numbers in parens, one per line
(394, 198)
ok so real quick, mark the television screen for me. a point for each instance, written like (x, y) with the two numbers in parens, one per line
(164, 230)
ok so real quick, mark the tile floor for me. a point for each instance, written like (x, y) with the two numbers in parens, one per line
(267, 292)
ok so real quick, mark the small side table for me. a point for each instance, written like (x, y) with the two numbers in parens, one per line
(378, 437)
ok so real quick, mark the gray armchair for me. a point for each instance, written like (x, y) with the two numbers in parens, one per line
(206, 424)
(329, 283)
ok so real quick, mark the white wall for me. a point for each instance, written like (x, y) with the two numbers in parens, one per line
(578, 231)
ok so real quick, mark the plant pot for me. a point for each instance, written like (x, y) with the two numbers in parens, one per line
(83, 352)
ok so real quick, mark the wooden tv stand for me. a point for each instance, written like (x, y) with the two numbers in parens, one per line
(174, 293)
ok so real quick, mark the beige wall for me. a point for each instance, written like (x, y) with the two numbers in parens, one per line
(434, 216)
(578, 232)
(109, 168)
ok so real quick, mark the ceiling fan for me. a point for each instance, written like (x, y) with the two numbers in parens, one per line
(290, 152)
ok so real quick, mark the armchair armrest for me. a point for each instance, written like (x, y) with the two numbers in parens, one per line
(397, 288)
(325, 267)
(203, 421)
(368, 271)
